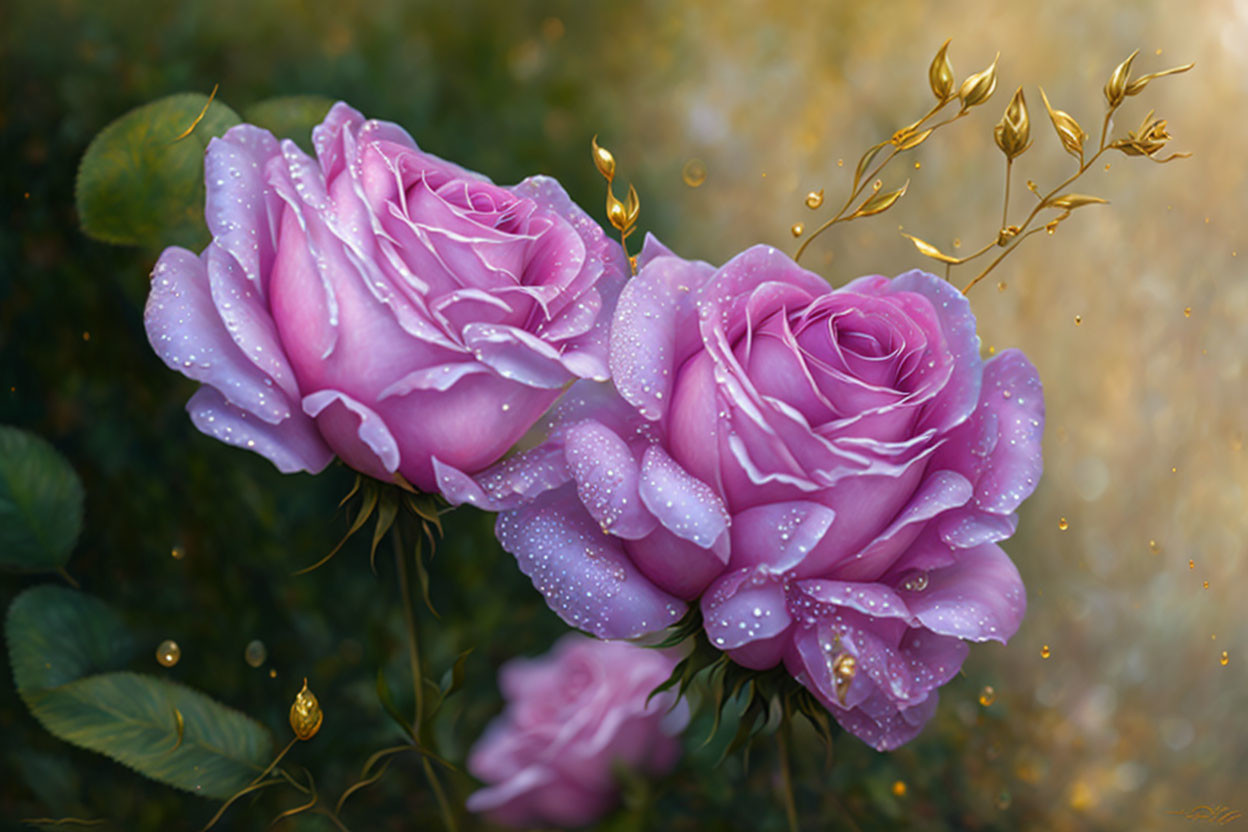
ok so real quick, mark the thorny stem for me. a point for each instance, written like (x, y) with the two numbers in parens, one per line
(871, 176)
(413, 655)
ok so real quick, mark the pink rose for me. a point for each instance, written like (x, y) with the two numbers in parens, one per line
(828, 471)
(572, 717)
(379, 303)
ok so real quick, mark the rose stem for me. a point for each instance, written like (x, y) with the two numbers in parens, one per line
(413, 655)
(786, 776)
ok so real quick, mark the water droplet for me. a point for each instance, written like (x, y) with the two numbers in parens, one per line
(1154, 546)
(987, 696)
(1044, 652)
(814, 199)
(255, 653)
(168, 653)
(797, 229)
(899, 786)
(694, 173)
(1226, 658)
(1062, 524)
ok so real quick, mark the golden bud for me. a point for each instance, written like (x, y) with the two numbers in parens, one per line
(879, 202)
(907, 139)
(617, 214)
(305, 714)
(1069, 202)
(1147, 139)
(940, 74)
(979, 87)
(1068, 130)
(603, 160)
(632, 207)
(1138, 85)
(1116, 87)
(929, 250)
(1013, 132)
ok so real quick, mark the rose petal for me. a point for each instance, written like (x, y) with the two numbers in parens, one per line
(585, 576)
(242, 210)
(507, 485)
(873, 599)
(186, 331)
(607, 476)
(743, 607)
(685, 505)
(517, 355)
(979, 597)
(355, 432)
(676, 565)
(1013, 393)
(778, 535)
(293, 445)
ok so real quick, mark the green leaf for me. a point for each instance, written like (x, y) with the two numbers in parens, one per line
(139, 184)
(290, 117)
(40, 503)
(56, 635)
(132, 718)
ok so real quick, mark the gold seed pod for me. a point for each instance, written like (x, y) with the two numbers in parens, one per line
(1116, 87)
(632, 207)
(1137, 86)
(305, 714)
(979, 87)
(911, 140)
(940, 74)
(1150, 137)
(617, 214)
(1013, 132)
(1068, 130)
(603, 160)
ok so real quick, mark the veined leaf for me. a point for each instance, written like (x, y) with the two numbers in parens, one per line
(132, 718)
(40, 503)
(140, 184)
(56, 635)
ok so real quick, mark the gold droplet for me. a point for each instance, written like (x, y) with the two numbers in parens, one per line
(1187, 312)
(272, 672)
(177, 553)
(1001, 286)
(843, 671)
(957, 242)
(899, 788)
(86, 336)
(305, 714)
(1044, 652)
(1191, 564)
(814, 199)
(917, 582)
(255, 653)
(1174, 469)
(840, 163)
(987, 696)
(1062, 524)
(1005, 394)
(1226, 658)
(694, 173)
(918, 165)
(168, 653)
(1206, 584)
(1107, 166)
(1078, 320)
(797, 229)
(1154, 547)
(877, 184)
(992, 350)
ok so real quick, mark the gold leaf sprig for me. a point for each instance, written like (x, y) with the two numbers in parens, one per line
(621, 215)
(1013, 137)
(973, 91)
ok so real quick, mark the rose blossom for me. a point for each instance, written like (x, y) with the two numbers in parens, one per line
(379, 303)
(572, 716)
(829, 471)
